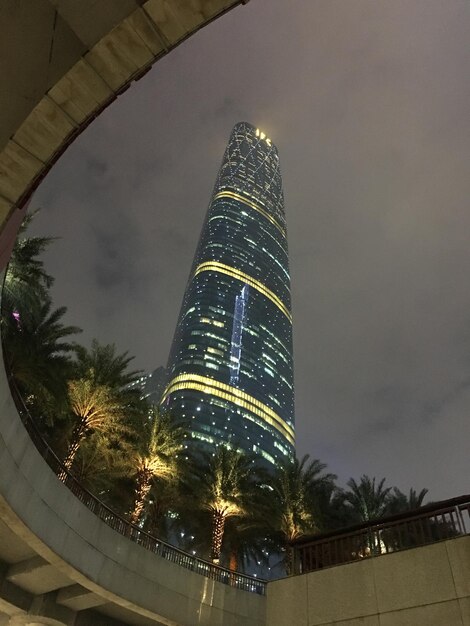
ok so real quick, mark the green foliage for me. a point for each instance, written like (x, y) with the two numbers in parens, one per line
(290, 498)
(99, 466)
(26, 280)
(98, 408)
(159, 442)
(366, 500)
(38, 357)
(155, 455)
(224, 481)
(161, 518)
(245, 543)
(36, 342)
(293, 486)
(100, 398)
(104, 366)
(399, 502)
(331, 509)
(223, 485)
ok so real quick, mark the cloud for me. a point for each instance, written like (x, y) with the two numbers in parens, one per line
(368, 105)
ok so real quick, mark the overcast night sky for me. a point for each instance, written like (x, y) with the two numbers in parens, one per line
(368, 102)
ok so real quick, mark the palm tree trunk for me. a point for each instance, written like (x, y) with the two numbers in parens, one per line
(233, 566)
(218, 525)
(292, 533)
(233, 562)
(289, 560)
(77, 436)
(141, 491)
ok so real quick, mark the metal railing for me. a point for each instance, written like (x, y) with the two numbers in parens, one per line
(435, 522)
(429, 524)
(123, 526)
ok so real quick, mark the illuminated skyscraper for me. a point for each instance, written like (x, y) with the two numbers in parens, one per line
(151, 385)
(230, 369)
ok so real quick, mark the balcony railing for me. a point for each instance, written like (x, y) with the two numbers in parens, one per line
(123, 526)
(435, 522)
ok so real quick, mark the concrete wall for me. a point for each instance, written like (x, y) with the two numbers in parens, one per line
(428, 586)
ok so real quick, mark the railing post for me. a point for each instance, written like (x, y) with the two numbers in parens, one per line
(295, 560)
(461, 520)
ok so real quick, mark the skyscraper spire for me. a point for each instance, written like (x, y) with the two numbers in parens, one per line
(231, 366)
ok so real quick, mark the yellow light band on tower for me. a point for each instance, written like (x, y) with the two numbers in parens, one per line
(233, 395)
(250, 203)
(216, 266)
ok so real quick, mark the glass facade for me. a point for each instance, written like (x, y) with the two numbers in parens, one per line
(230, 370)
(151, 385)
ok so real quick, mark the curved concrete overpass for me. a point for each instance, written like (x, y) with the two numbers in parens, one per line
(61, 63)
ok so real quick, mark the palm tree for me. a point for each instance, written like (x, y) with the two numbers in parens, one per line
(366, 500)
(245, 542)
(161, 511)
(156, 456)
(100, 397)
(37, 356)
(223, 486)
(398, 501)
(26, 281)
(330, 508)
(96, 407)
(108, 368)
(412, 533)
(290, 501)
(293, 485)
(99, 466)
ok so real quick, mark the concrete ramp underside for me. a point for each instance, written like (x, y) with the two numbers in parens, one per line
(62, 62)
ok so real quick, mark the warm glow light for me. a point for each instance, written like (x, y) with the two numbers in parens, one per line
(252, 205)
(231, 394)
(206, 320)
(216, 266)
(262, 135)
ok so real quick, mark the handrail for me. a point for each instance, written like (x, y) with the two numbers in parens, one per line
(123, 526)
(431, 523)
